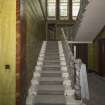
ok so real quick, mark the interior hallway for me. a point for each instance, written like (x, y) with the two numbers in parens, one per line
(25, 24)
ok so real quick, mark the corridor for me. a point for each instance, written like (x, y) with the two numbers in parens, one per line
(52, 52)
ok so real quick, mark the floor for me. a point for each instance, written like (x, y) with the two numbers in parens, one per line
(97, 89)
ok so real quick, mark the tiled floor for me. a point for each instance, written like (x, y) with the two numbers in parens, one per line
(97, 90)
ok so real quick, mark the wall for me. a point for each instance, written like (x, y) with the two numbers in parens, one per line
(91, 56)
(33, 32)
(93, 52)
(43, 2)
(7, 51)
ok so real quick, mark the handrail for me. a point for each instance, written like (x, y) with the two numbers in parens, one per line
(66, 42)
(69, 57)
(75, 66)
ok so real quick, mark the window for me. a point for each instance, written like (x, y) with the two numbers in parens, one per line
(51, 8)
(75, 8)
(63, 9)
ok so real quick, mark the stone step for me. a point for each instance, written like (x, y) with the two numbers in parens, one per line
(51, 87)
(52, 57)
(51, 71)
(48, 104)
(46, 68)
(52, 61)
(51, 74)
(52, 52)
(51, 79)
(49, 66)
(51, 83)
(52, 44)
(50, 100)
(52, 41)
(50, 92)
(52, 49)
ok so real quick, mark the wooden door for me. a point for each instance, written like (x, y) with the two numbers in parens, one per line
(82, 52)
(101, 55)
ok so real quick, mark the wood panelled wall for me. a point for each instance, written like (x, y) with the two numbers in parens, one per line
(30, 34)
(95, 54)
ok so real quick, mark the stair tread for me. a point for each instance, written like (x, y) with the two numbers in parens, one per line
(51, 83)
(52, 58)
(57, 61)
(51, 71)
(53, 65)
(51, 79)
(51, 74)
(50, 99)
(52, 53)
(51, 87)
(46, 68)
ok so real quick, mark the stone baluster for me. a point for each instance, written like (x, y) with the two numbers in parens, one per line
(77, 78)
(32, 92)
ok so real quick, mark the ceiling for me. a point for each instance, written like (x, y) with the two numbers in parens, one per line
(92, 22)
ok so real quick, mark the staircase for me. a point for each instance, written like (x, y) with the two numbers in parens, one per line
(51, 84)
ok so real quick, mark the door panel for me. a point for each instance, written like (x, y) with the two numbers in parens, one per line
(101, 56)
(82, 52)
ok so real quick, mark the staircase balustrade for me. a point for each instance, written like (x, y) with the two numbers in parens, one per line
(58, 76)
(32, 92)
(76, 70)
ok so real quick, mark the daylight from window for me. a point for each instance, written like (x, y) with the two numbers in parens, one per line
(51, 8)
(75, 8)
(64, 8)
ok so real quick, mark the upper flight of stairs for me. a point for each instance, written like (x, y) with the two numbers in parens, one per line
(50, 89)
(50, 84)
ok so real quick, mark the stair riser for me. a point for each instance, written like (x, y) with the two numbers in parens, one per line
(51, 63)
(50, 75)
(51, 56)
(51, 83)
(51, 68)
(50, 92)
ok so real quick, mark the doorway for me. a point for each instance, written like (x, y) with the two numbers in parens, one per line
(101, 55)
(51, 35)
